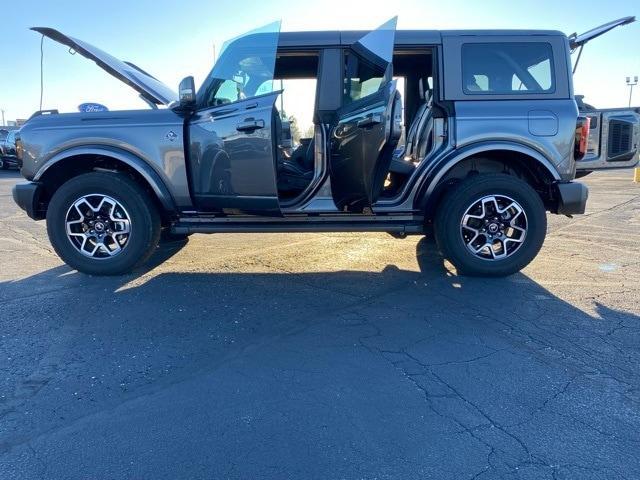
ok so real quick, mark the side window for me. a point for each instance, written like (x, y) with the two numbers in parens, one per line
(541, 72)
(228, 91)
(361, 79)
(507, 68)
(244, 69)
(367, 64)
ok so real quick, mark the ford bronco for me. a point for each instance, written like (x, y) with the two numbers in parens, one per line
(471, 135)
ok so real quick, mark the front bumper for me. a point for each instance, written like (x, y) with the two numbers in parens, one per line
(27, 196)
(572, 198)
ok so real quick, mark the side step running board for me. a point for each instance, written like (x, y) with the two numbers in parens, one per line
(409, 224)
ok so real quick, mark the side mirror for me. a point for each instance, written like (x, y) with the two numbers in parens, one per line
(187, 93)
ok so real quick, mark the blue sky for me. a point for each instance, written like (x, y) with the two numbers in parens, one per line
(172, 39)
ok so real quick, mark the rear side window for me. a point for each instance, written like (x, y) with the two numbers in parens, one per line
(507, 68)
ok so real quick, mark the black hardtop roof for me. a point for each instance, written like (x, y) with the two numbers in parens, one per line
(403, 37)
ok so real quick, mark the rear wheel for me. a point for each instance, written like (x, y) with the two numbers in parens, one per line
(491, 225)
(3, 165)
(103, 223)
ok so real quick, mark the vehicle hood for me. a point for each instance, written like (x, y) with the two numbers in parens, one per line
(149, 87)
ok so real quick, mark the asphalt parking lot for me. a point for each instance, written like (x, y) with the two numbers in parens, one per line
(328, 356)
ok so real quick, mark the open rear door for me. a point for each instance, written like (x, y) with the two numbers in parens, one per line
(614, 139)
(368, 124)
(614, 133)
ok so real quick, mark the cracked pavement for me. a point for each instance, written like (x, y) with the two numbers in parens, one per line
(346, 356)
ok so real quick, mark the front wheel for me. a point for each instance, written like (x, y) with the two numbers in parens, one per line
(491, 225)
(3, 165)
(103, 223)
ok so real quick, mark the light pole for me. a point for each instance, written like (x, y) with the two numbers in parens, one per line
(2, 117)
(631, 84)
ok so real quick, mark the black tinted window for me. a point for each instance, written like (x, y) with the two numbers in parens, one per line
(507, 68)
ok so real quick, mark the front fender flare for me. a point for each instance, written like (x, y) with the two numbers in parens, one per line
(130, 159)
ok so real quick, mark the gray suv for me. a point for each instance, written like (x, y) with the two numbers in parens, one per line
(471, 135)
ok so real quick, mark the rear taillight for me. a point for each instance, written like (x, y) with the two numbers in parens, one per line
(582, 137)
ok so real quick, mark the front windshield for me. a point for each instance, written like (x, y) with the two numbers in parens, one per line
(245, 68)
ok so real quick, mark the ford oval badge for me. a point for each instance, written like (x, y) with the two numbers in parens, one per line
(92, 107)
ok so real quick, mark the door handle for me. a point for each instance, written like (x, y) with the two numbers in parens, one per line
(370, 121)
(250, 125)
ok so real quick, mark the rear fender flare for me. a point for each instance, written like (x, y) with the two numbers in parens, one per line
(446, 163)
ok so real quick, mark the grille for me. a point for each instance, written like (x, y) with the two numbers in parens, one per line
(620, 138)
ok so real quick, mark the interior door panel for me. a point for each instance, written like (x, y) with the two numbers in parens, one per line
(361, 148)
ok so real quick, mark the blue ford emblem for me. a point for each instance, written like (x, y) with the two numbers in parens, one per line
(92, 107)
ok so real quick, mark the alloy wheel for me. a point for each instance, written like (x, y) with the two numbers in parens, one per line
(494, 227)
(98, 226)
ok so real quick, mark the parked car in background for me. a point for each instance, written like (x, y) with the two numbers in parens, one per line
(493, 140)
(8, 158)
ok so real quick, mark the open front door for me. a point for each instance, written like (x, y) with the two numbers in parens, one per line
(231, 136)
(368, 124)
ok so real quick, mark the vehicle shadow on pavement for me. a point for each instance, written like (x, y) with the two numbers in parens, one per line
(395, 369)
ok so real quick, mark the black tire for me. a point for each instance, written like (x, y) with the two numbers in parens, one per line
(453, 207)
(3, 165)
(143, 215)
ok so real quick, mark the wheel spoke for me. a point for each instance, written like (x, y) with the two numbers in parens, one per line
(124, 227)
(503, 253)
(513, 240)
(117, 248)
